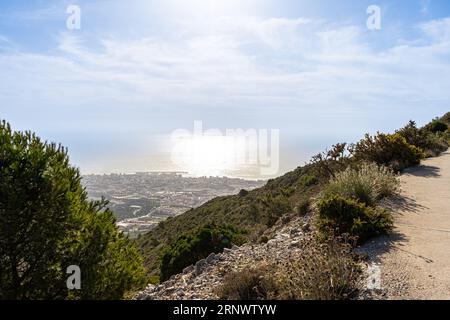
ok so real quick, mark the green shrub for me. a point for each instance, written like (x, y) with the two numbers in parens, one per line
(304, 207)
(367, 184)
(391, 150)
(308, 180)
(437, 126)
(435, 144)
(446, 118)
(47, 224)
(431, 143)
(243, 193)
(276, 207)
(344, 216)
(190, 248)
(413, 135)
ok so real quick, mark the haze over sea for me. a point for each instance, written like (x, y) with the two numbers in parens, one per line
(115, 89)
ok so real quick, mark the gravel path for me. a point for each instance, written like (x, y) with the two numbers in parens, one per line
(415, 260)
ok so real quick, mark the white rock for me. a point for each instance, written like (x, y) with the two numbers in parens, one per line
(226, 250)
(294, 243)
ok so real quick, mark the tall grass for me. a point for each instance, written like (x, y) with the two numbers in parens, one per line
(319, 271)
(368, 184)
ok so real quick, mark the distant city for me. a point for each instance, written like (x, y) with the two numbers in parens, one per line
(143, 199)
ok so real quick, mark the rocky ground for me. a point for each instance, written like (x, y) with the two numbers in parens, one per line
(201, 280)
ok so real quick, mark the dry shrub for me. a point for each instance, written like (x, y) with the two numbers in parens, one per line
(319, 271)
(368, 184)
(247, 284)
(315, 271)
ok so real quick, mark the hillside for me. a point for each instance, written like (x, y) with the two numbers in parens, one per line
(414, 259)
(254, 212)
(288, 197)
(202, 280)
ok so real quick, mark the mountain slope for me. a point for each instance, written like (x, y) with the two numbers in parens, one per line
(254, 212)
(203, 280)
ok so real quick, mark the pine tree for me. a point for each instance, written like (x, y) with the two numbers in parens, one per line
(47, 223)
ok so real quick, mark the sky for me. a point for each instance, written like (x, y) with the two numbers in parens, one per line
(115, 89)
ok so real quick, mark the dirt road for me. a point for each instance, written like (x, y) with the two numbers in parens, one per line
(415, 259)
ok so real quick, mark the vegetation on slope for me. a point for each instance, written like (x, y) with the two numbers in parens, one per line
(188, 249)
(348, 203)
(347, 212)
(367, 183)
(258, 210)
(47, 222)
(252, 213)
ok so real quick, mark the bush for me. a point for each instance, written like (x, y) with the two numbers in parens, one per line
(242, 193)
(391, 150)
(367, 184)
(247, 284)
(308, 180)
(338, 215)
(327, 163)
(413, 135)
(276, 206)
(318, 271)
(432, 144)
(446, 118)
(435, 144)
(304, 207)
(190, 248)
(47, 224)
(437, 126)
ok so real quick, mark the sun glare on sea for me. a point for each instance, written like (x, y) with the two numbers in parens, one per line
(205, 155)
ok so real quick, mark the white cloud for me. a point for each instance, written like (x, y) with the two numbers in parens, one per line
(250, 62)
(438, 30)
(298, 68)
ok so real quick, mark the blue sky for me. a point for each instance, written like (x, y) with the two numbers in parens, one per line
(114, 90)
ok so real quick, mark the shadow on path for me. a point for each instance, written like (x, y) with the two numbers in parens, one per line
(424, 171)
(399, 204)
(376, 247)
